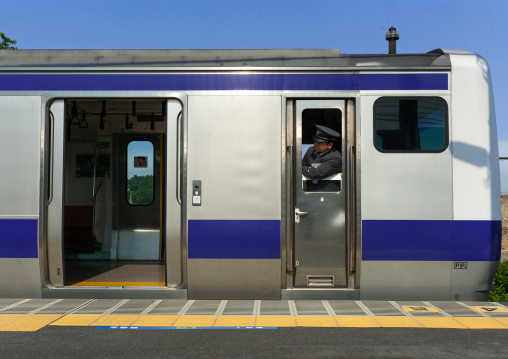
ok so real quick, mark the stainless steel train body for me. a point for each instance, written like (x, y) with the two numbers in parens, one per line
(219, 136)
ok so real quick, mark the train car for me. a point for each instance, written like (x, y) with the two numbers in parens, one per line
(178, 174)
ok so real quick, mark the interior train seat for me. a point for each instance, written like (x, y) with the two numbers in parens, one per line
(78, 228)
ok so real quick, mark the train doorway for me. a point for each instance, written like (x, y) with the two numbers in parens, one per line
(107, 208)
(319, 203)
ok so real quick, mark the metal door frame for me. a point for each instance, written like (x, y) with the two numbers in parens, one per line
(351, 178)
(353, 223)
(55, 198)
(175, 214)
(52, 202)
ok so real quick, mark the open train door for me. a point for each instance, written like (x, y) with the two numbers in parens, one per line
(113, 210)
(320, 205)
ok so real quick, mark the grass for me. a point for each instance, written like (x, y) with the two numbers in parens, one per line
(501, 279)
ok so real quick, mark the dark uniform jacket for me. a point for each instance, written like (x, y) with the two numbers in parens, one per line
(320, 165)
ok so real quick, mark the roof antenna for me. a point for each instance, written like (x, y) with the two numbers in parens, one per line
(392, 36)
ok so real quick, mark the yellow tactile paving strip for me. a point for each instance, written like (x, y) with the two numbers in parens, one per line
(119, 284)
(29, 323)
(440, 322)
(112, 317)
(8, 318)
(481, 323)
(235, 321)
(195, 321)
(503, 321)
(398, 322)
(316, 321)
(32, 322)
(357, 321)
(116, 320)
(275, 321)
(77, 320)
(155, 321)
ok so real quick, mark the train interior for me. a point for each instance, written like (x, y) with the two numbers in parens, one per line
(113, 193)
(331, 118)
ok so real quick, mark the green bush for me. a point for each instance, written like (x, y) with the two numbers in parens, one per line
(501, 279)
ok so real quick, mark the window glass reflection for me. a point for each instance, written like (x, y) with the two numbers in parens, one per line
(411, 124)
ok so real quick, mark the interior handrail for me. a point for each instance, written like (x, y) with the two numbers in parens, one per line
(94, 192)
(94, 203)
(97, 191)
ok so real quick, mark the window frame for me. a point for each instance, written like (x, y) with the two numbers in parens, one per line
(447, 124)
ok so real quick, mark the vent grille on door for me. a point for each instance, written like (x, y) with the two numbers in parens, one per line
(320, 280)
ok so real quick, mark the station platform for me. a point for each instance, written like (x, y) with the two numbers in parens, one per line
(34, 314)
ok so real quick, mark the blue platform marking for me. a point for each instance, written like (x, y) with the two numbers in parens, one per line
(234, 239)
(176, 328)
(18, 238)
(431, 240)
(237, 81)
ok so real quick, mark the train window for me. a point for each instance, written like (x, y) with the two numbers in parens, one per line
(329, 117)
(140, 173)
(410, 124)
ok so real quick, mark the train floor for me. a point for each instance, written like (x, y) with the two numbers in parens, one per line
(112, 273)
(34, 314)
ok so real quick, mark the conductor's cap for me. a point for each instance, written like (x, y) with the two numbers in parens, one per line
(325, 134)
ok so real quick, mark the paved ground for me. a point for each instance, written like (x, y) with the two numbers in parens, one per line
(86, 342)
(34, 314)
(139, 328)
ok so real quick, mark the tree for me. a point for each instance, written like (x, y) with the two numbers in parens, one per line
(6, 43)
(140, 190)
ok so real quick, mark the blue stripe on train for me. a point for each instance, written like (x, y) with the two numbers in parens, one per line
(431, 240)
(381, 239)
(239, 239)
(18, 238)
(239, 81)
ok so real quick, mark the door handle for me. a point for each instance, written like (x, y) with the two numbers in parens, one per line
(51, 155)
(179, 137)
(298, 214)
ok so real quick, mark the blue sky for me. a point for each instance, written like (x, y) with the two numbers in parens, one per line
(354, 26)
(143, 149)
